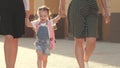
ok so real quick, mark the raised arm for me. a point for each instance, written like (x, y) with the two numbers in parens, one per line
(106, 11)
(56, 19)
(61, 12)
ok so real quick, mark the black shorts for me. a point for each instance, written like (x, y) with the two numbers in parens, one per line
(82, 17)
(12, 19)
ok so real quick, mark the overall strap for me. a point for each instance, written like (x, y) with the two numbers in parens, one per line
(48, 26)
(38, 24)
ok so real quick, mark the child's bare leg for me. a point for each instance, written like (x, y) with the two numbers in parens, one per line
(39, 59)
(45, 61)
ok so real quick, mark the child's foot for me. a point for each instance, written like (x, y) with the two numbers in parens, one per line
(86, 65)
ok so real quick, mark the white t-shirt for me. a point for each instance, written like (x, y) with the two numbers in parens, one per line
(36, 22)
(26, 4)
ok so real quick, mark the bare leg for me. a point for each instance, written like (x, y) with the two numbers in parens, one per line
(10, 50)
(39, 59)
(90, 46)
(45, 61)
(79, 52)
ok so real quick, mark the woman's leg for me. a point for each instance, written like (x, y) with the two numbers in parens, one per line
(39, 59)
(10, 50)
(45, 57)
(90, 46)
(79, 52)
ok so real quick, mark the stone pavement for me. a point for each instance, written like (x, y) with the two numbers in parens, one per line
(106, 55)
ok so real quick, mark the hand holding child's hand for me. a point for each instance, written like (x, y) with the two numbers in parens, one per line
(62, 13)
(27, 22)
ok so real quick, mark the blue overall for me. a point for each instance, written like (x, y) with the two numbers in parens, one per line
(42, 42)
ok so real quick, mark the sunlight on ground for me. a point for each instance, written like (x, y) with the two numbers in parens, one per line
(26, 58)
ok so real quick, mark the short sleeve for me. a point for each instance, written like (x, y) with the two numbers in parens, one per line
(26, 4)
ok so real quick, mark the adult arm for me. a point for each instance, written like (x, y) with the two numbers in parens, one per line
(106, 11)
(61, 12)
(27, 7)
(62, 8)
(27, 12)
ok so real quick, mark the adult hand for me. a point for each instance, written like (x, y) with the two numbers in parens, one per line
(62, 13)
(107, 19)
(27, 21)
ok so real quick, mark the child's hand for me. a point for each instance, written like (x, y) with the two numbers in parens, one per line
(27, 22)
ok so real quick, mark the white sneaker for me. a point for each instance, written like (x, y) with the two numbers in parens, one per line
(86, 65)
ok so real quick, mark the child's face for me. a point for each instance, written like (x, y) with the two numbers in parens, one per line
(43, 15)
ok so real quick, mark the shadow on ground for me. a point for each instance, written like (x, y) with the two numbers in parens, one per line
(105, 52)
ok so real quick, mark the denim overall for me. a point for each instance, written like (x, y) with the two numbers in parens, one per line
(43, 42)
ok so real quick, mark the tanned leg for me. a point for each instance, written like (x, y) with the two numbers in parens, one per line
(79, 52)
(10, 51)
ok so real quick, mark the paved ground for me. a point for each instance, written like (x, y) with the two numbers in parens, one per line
(106, 55)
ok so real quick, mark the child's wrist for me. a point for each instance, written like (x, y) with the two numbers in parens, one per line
(59, 16)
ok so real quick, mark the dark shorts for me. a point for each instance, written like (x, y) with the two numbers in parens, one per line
(82, 18)
(12, 18)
